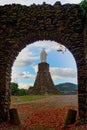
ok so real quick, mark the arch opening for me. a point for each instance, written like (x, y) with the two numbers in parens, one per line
(29, 58)
(53, 57)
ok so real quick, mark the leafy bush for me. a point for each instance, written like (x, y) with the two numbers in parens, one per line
(14, 88)
(16, 91)
(22, 92)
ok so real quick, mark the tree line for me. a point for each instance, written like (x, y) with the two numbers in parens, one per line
(83, 5)
(17, 91)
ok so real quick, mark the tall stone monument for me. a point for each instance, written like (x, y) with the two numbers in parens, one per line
(43, 83)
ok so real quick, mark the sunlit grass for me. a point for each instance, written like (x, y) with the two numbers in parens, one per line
(19, 99)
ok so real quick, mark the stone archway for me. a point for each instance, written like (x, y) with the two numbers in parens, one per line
(22, 25)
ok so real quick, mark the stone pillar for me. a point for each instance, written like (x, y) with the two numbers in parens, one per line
(85, 39)
(4, 93)
(82, 92)
(82, 80)
(44, 83)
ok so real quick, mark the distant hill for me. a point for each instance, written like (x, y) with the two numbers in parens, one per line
(68, 88)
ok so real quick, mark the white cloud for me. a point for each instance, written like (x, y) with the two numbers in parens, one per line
(56, 73)
(25, 58)
(29, 2)
(35, 68)
(26, 75)
(48, 45)
(24, 85)
(61, 73)
(70, 1)
(23, 75)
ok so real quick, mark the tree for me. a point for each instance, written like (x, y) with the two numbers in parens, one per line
(22, 92)
(83, 5)
(14, 88)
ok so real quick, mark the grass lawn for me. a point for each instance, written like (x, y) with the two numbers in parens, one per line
(19, 99)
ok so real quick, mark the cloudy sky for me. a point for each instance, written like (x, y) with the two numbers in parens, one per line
(29, 2)
(62, 65)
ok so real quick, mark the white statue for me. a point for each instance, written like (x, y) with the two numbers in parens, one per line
(43, 56)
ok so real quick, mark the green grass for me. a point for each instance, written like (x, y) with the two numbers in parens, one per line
(19, 99)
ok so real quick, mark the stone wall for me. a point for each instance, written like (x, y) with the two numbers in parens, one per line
(23, 25)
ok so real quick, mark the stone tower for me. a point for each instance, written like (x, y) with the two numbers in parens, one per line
(43, 83)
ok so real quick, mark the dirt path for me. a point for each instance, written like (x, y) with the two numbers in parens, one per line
(47, 112)
(54, 101)
(51, 102)
(59, 101)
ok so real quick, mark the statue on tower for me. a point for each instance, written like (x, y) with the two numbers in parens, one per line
(43, 55)
(43, 82)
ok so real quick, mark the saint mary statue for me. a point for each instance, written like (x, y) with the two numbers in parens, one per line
(43, 55)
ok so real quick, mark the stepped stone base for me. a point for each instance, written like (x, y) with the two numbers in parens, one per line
(43, 83)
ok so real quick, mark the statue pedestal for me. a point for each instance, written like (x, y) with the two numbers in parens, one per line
(43, 83)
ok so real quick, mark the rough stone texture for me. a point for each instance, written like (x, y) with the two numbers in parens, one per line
(4, 105)
(43, 83)
(22, 25)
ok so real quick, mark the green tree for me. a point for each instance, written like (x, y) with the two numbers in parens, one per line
(22, 92)
(14, 88)
(83, 5)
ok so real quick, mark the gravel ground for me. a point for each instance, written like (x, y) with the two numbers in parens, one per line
(59, 101)
(52, 102)
(55, 101)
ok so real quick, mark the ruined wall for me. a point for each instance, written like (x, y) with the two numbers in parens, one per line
(23, 25)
